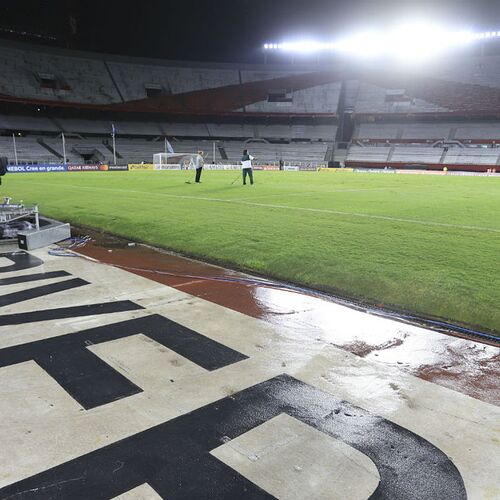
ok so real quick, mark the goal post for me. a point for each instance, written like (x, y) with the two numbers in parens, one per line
(173, 161)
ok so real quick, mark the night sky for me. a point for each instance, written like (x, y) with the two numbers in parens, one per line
(219, 30)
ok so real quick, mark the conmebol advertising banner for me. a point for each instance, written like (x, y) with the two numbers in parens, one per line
(54, 167)
(87, 168)
(117, 168)
(40, 167)
(141, 166)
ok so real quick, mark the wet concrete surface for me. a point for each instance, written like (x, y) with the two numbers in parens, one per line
(463, 365)
(121, 387)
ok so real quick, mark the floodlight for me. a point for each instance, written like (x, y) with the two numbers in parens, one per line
(409, 42)
(366, 45)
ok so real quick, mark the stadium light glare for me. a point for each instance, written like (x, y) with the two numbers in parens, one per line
(366, 45)
(408, 42)
(304, 46)
(417, 42)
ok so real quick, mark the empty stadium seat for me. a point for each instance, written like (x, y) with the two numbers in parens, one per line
(410, 155)
(472, 156)
(82, 79)
(28, 150)
(368, 154)
(103, 80)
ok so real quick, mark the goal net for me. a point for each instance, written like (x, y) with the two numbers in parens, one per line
(173, 161)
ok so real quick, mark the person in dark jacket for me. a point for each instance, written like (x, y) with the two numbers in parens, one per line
(246, 166)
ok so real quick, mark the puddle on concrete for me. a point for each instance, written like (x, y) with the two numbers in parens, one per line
(463, 365)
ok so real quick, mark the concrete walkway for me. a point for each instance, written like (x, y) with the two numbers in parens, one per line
(127, 384)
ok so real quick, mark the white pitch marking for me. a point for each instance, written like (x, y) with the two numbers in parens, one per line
(286, 207)
(311, 193)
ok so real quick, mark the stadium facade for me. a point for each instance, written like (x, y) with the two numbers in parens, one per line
(341, 113)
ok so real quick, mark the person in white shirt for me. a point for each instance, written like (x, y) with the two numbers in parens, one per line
(198, 163)
(246, 166)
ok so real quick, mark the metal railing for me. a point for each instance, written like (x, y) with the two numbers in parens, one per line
(10, 212)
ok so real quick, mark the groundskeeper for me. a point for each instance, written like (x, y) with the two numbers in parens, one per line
(246, 166)
(198, 163)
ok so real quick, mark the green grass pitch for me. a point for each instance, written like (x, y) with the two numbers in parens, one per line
(425, 244)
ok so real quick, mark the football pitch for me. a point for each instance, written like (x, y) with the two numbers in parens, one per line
(425, 244)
